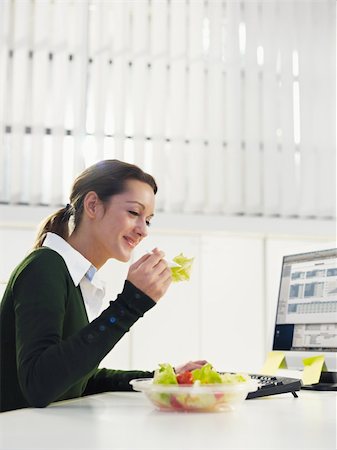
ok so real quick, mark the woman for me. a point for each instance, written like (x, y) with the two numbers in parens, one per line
(49, 350)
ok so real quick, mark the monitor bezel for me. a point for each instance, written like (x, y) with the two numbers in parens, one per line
(294, 358)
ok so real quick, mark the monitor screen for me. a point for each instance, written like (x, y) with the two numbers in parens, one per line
(306, 316)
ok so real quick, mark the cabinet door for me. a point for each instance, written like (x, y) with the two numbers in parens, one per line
(232, 308)
(169, 332)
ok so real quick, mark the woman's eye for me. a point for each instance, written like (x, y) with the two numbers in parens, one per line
(135, 213)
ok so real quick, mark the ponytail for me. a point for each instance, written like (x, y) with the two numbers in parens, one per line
(57, 223)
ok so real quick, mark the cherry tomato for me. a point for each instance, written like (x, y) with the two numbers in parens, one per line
(185, 377)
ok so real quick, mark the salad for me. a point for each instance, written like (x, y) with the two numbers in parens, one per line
(205, 375)
(182, 271)
(202, 389)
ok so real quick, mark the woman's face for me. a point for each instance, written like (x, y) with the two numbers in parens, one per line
(124, 222)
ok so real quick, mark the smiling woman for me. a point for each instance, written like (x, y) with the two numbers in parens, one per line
(112, 229)
(51, 338)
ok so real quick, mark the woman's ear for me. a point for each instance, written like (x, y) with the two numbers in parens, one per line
(91, 205)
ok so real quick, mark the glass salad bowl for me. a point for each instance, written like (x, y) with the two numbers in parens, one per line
(195, 397)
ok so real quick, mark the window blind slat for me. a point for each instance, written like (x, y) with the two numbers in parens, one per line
(16, 166)
(175, 181)
(5, 14)
(175, 186)
(271, 163)
(195, 110)
(56, 181)
(60, 113)
(120, 79)
(289, 194)
(308, 151)
(158, 85)
(78, 45)
(40, 63)
(252, 107)
(139, 76)
(99, 71)
(177, 74)
(20, 76)
(234, 113)
(19, 113)
(324, 96)
(196, 73)
(215, 107)
(36, 158)
(5, 36)
(159, 170)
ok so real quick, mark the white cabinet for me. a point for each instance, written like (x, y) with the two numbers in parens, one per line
(232, 307)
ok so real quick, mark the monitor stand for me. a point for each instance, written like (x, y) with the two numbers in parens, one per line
(327, 382)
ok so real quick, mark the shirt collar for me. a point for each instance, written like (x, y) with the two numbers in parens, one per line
(78, 266)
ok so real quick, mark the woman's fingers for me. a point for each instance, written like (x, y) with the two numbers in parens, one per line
(140, 261)
(151, 274)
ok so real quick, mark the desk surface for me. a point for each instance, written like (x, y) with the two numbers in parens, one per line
(127, 421)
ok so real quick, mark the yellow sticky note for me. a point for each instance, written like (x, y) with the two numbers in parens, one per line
(312, 369)
(274, 361)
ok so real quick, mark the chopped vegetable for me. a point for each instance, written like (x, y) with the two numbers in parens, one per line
(183, 270)
(185, 378)
(206, 375)
(165, 375)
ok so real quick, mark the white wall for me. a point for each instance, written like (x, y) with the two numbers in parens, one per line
(224, 314)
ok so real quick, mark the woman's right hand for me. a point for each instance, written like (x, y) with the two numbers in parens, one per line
(151, 274)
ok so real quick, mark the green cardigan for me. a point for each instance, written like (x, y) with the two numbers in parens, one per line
(49, 350)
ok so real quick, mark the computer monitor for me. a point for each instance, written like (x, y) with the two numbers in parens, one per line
(306, 316)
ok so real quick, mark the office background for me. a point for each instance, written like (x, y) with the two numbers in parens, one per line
(229, 104)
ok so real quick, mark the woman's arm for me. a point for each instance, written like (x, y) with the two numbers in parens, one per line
(105, 380)
(48, 365)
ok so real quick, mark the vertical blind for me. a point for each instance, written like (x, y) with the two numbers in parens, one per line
(229, 104)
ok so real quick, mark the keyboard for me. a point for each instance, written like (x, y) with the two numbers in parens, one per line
(271, 385)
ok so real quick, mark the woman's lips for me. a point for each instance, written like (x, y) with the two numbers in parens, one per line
(130, 241)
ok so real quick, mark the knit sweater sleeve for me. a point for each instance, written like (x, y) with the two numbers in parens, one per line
(105, 380)
(47, 364)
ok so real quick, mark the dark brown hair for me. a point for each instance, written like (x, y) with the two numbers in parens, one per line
(106, 178)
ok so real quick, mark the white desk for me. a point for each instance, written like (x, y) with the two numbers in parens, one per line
(127, 421)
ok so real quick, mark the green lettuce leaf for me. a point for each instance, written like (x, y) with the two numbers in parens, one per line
(233, 378)
(206, 375)
(183, 271)
(165, 375)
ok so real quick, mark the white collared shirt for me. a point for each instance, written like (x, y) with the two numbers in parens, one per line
(82, 272)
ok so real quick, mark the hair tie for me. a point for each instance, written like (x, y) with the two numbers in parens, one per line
(67, 212)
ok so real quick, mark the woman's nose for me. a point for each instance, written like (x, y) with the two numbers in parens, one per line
(142, 228)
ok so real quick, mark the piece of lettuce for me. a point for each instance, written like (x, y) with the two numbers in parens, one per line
(233, 378)
(165, 375)
(206, 375)
(183, 270)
